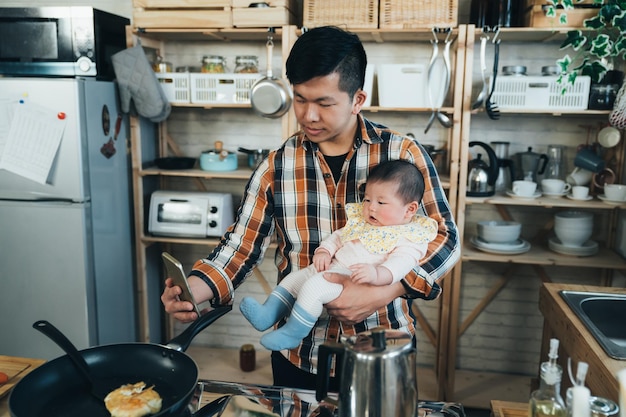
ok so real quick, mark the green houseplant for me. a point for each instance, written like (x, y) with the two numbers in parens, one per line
(599, 45)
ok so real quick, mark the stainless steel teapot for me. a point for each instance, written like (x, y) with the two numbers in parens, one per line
(481, 178)
(376, 373)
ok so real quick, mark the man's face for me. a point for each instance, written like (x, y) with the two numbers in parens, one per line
(325, 113)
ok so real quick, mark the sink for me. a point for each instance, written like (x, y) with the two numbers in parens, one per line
(604, 315)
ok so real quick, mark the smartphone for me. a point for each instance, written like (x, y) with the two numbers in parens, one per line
(175, 271)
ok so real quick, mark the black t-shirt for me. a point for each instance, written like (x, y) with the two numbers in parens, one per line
(335, 164)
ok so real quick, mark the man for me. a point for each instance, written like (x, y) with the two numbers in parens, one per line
(300, 191)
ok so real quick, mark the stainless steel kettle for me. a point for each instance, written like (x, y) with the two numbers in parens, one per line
(481, 178)
(376, 372)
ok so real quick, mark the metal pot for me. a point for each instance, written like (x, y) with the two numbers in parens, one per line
(255, 156)
(376, 373)
(271, 96)
(57, 388)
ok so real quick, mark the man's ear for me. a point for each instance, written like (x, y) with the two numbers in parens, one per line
(358, 101)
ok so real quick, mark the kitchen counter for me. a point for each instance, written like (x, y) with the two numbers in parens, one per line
(576, 341)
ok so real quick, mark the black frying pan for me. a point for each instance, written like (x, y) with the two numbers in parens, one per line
(57, 388)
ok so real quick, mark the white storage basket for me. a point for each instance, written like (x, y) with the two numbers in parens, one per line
(222, 88)
(175, 86)
(406, 85)
(541, 93)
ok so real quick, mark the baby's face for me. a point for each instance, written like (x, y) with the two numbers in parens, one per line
(383, 207)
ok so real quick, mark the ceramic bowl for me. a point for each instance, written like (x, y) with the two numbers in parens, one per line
(499, 231)
(573, 228)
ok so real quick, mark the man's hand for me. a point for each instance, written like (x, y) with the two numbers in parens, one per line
(359, 301)
(183, 310)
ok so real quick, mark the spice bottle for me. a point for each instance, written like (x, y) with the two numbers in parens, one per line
(247, 358)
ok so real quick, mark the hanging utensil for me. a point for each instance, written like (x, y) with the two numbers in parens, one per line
(482, 96)
(442, 118)
(492, 108)
(435, 43)
(270, 96)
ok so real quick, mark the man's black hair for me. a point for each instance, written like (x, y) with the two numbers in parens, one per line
(324, 50)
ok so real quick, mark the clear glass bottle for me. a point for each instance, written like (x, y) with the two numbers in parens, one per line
(547, 400)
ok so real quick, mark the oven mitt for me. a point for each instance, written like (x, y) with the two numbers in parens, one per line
(137, 83)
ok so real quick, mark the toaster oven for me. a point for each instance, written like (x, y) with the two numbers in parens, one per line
(190, 213)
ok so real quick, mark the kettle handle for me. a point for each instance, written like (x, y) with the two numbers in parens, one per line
(492, 173)
(324, 357)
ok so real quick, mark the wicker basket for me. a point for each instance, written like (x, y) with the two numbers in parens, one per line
(348, 14)
(414, 14)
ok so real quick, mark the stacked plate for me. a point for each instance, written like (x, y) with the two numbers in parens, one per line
(511, 248)
(611, 202)
(588, 248)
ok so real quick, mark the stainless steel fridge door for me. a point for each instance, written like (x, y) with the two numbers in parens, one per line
(46, 273)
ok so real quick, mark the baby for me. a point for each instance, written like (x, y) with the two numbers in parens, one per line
(383, 240)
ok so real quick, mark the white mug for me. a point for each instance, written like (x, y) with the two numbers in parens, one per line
(580, 192)
(615, 192)
(524, 188)
(555, 186)
(579, 176)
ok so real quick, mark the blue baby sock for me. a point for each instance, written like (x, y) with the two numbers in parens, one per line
(262, 317)
(289, 336)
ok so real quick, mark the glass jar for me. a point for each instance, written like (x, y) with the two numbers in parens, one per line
(213, 64)
(246, 64)
(247, 358)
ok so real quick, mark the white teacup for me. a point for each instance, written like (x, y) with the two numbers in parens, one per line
(615, 192)
(524, 188)
(555, 186)
(579, 176)
(580, 192)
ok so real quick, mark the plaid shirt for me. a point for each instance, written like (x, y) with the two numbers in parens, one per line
(293, 193)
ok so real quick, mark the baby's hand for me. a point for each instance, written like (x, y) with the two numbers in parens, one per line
(363, 273)
(321, 260)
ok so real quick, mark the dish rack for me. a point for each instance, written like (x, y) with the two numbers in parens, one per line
(222, 88)
(541, 93)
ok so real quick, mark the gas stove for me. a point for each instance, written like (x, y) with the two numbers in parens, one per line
(282, 402)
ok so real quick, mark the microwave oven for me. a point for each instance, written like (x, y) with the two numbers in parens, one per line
(67, 41)
(190, 213)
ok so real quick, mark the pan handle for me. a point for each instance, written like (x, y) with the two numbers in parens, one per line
(64, 343)
(183, 340)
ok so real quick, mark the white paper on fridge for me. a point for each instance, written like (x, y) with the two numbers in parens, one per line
(32, 141)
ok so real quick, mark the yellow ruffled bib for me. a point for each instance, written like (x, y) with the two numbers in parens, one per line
(382, 239)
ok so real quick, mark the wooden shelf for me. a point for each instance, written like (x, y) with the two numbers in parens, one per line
(238, 174)
(540, 254)
(546, 202)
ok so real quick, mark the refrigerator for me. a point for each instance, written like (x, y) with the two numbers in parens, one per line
(66, 233)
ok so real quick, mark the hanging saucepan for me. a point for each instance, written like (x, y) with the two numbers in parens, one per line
(271, 96)
(57, 388)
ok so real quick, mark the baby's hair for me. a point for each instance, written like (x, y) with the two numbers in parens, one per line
(408, 178)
